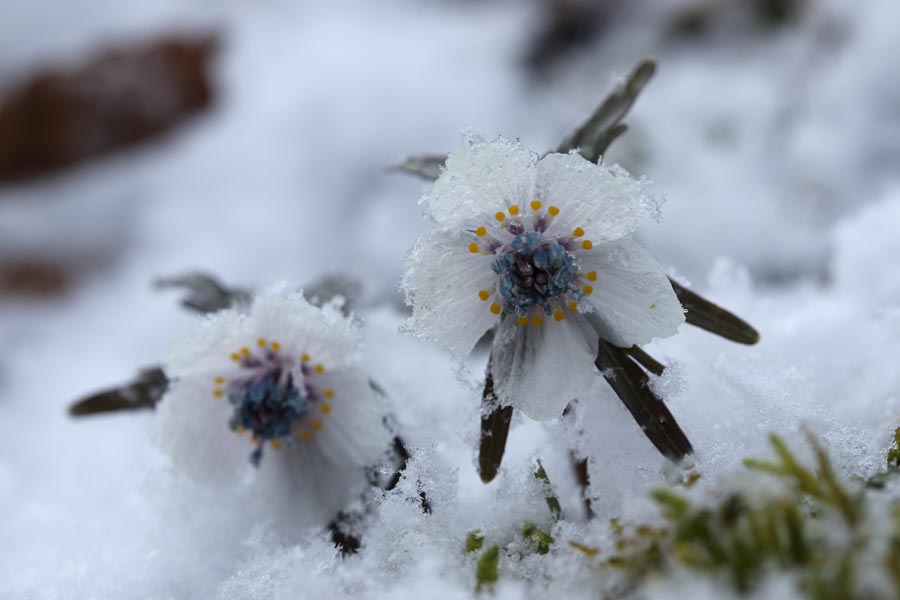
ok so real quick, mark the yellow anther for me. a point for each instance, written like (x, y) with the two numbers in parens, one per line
(317, 425)
(306, 436)
(495, 308)
(319, 369)
(276, 444)
(235, 356)
(559, 315)
(481, 231)
(219, 380)
(304, 357)
(573, 306)
(587, 290)
(592, 275)
(218, 393)
(484, 295)
(513, 210)
(522, 321)
(474, 247)
(500, 216)
(240, 430)
(245, 351)
(326, 408)
(261, 342)
(536, 205)
(276, 346)
(329, 393)
(587, 245)
(578, 232)
(553, 211)
(537, 320)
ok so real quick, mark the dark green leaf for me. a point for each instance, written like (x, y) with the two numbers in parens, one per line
(495, 421)
(552, 501)
(205, 293)
(704, 314)
(144, 392)
(631, 385)
(427, 166)
(645, 360)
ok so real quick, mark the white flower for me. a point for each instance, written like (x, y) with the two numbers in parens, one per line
(541, 250)
(277, 384)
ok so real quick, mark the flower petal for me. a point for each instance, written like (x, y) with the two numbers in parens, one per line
(480, 180)
(442, 282)
(632, 298)
(540, 369)
(606, 205)
(352, 430)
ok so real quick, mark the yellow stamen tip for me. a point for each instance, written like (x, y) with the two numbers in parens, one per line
(522, 320)
(329, 393)
(220, 380)
(513, 210)
(495, 308)
(587, 245)
(587, 290)
(260, 342)
(276, 346)
(240, 430)
(578, 232)
(592, 275)
(319, 369)
(553, 211)
(306, 436)
(500, 216)
(276, 444)
(484, 295)
(573, 306)
(326, 408)
(245, 351)
(474, 247)
(218, 393)
(481, 231)
(317, 425)
(304, 357)
(235, 356)
(536, 205)
(559, 315)
(537, 320)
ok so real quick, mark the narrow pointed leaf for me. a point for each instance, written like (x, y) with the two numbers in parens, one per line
(141, 393)
(645, 360)
(205, 294)
(631, 385)
(704, 314)
(426, 166)
(602, 127)
(495, 423)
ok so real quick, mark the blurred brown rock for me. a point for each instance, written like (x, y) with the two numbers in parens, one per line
(119, 97)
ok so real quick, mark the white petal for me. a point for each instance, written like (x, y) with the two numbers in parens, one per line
(192, 427)
(480, 180)
(540, 369)
(208, 347)
(606, 205)
(304, 487)
(353, 431)
(632, 297)
(442, 283)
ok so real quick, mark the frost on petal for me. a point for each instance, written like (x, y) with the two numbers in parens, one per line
(202, 349)
(442, 282)
(540, 369)
(192, 427)
(304, 487)
(352, 427)
(480, 180)
(632, 298)
(606, 205)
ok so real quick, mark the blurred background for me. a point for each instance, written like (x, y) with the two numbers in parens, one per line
(141, 139)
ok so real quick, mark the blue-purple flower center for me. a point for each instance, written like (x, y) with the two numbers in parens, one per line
(533, 272)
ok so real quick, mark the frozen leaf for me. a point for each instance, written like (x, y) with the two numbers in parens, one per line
(704, 314)
(205, 294)
(495, 421)
(426, 166)
(143, 392)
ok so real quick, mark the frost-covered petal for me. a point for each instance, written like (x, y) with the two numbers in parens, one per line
(480, 180)
(442, 283)
(351, 430)
(192, 427)
(606, 205)
(632, 298)
(304, 487)
(539, 370)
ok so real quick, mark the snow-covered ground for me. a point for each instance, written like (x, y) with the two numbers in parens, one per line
(776, 151)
